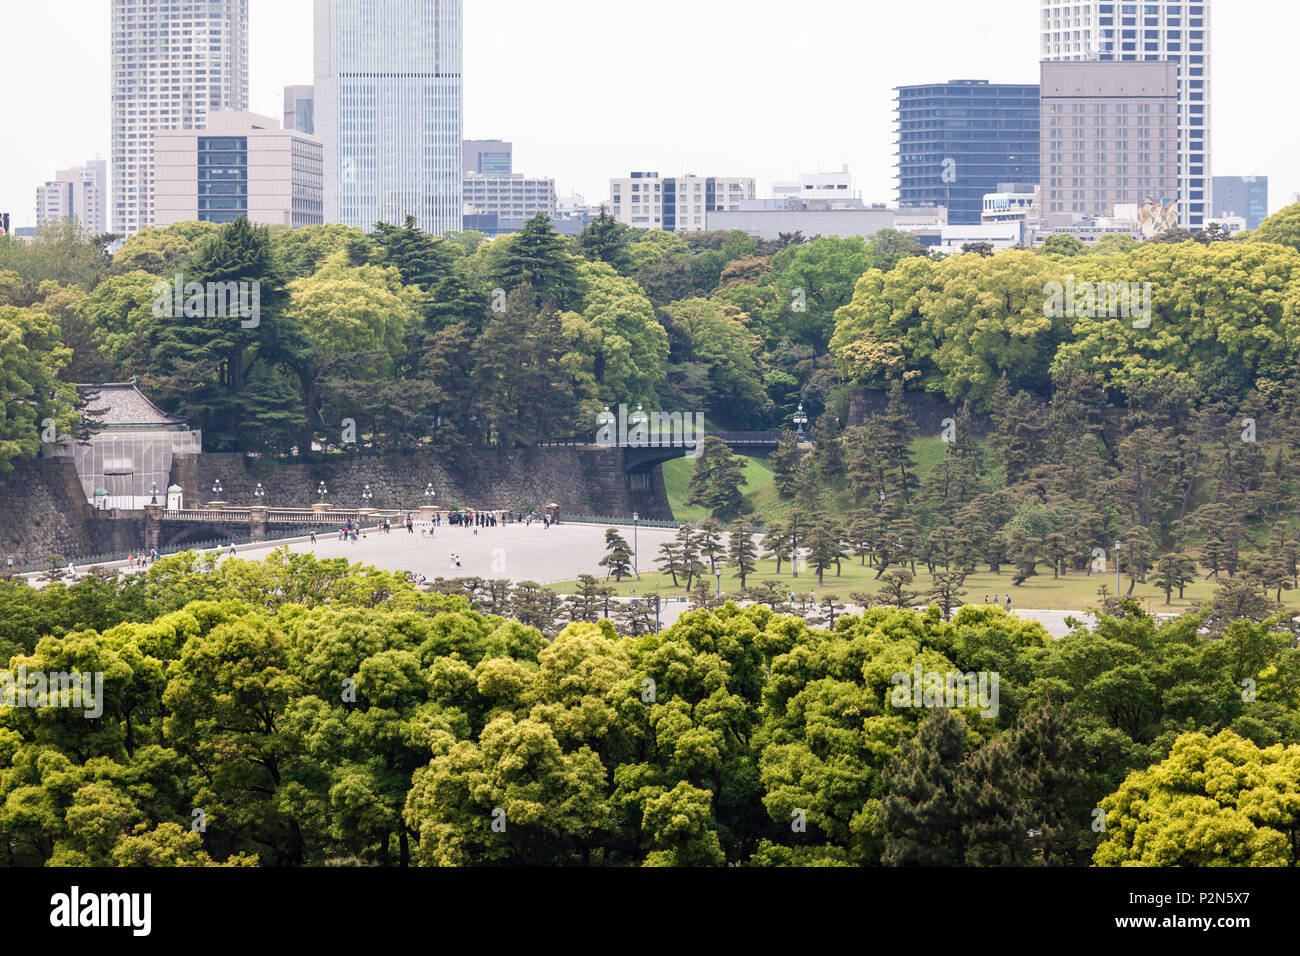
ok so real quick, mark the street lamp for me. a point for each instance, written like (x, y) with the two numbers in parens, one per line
(1118, 545)
(637, 420)
(322, 491)
(367, 496)
(636, 546)
(259, 493)
(800, 419)
(605, 436)
(154, 492)
(428, 494)
(217, 489)
(718, 571)
(794, 543)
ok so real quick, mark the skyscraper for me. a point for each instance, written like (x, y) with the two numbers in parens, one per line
(959, 140)
(1244, 196)
(172, 62)
(1177, 30)
(80, 193)
(388, 108)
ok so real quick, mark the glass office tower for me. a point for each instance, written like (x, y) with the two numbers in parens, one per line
(388, 108)
(960, 140)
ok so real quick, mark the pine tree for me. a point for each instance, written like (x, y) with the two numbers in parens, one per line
(618, 556)
(894, 590)
(823, 544)
(607, 240)
(784, 462)
(710, 543)
(919, 813)
(742, 554)
(828, 450)
(994, 822)
(777, 543)
(536, 257)
(1050, 759)
(947, 591)
(717, 480)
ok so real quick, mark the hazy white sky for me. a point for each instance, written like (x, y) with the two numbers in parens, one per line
(589, 89)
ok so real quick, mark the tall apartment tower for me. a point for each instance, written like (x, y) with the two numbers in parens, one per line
(80, 193)
(172, 63)
(1176, 30)
(388, 108)
(958, 140)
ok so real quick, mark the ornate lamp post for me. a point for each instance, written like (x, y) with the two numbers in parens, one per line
(800, 419)
(638, 421)
(1118, 545)
(259, 493)
(605, 437)
(367, 496)
(217, 503)
(154, 493)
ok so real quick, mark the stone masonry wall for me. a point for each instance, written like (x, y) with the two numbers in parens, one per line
(43, 512)
(580, 480)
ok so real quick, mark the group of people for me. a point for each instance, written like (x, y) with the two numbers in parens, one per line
(995, 600)
(478, 519)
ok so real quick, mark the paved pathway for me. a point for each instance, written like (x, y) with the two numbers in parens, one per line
(518, 552)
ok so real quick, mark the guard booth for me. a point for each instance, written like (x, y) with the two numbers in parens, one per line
(553, 512)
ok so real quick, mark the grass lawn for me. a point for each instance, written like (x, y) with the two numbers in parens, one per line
(1074, 592)
(759, 491)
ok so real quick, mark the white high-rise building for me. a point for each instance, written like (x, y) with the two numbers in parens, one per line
(388, 108)
(1177, 30)
(172, 62)
(80, 193)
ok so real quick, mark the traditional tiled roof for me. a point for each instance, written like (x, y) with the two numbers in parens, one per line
(123, 405)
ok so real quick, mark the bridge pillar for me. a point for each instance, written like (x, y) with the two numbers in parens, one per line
(257, 523)
(153, 516)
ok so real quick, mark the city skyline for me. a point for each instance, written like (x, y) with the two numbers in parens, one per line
(582, 138)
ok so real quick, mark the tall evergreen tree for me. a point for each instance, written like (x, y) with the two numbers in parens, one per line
(919, 812)
(536, 257)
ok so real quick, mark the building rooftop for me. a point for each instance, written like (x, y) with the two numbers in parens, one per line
(123, 405)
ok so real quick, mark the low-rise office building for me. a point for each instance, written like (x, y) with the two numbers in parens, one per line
(241, 164)
(645, 200)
